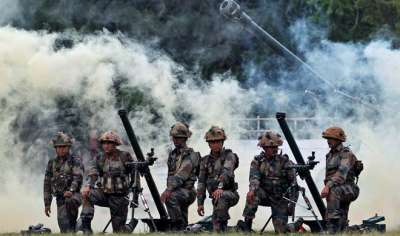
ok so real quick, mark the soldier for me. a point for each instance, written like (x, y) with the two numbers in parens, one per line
(112, 189)
(217, 176)
(270, 180)
(63, 180)
(183, 164)
(342, 169)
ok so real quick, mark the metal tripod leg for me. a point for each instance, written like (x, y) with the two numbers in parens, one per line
(266, 224)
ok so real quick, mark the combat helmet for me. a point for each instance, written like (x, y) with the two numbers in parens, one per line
(215, 133)
(334, 133)
(270, 139)
(61, 139)
(180, 130)
(110, 136)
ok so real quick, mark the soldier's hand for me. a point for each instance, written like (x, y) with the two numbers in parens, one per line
(200, 210)
(217, 194)
(68, 194)
(250, 196)
(47, 211)
(165, 196)
(325, 192)
(85, 191)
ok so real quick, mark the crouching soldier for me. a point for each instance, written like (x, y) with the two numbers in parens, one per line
(218, 178)
(270, 180)
(183, 164)
(63, 180)
(112, 189)
(342, 169)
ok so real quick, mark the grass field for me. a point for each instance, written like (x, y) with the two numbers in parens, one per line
(390, 233)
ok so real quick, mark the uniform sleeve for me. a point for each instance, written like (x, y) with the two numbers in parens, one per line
(254, 176)
(340, 176)
(227, 170)
(77, 175)
(182, 174)
(201, 185)
(47, 185)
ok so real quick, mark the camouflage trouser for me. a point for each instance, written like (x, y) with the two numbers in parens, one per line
(279, 208)
(67, 212)
(221, 207)
(178, 205)
(338, 203)
(117, 203)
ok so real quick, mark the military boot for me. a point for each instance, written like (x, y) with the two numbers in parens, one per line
(332, 226)
(223, 225)
(86, 227)
(130, 227)
(244, 226)
(216, 226)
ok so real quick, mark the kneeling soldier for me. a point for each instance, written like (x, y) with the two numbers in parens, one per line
(63, 180)
(342, 169)
(270, 180)
(218, 178)
(183, 164)
(112, 190)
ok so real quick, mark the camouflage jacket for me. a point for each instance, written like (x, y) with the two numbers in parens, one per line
(340, 166)
(62, 174)
(216, 172)
(183, 167)
(112, 171)
(272, 175)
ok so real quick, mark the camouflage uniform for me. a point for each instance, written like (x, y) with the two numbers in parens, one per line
(64, 174)
(270, 180)
(112, 189)
(218, 172)
(340, 178)
(182, 174)
(183, 165)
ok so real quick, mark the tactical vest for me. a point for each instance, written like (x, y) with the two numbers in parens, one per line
(214, 169)
(62, 175)
(175, 162)
(274, 176)
(114, 175)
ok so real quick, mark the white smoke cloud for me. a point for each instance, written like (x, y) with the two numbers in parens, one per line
(33, 75)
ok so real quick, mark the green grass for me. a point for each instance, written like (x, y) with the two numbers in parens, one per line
(390, 233)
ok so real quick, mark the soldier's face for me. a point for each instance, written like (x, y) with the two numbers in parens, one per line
(332, 143)
(216, 146)
(108, 147)
(178, 141)
(270, 151)
(62, 151)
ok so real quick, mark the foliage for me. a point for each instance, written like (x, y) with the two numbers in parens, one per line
(357, 20)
